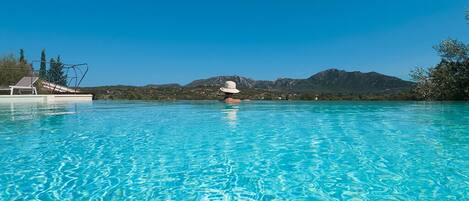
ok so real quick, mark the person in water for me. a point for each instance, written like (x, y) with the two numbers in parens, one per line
(230, 89)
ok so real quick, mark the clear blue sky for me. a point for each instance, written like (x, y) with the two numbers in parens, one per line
(143, 42)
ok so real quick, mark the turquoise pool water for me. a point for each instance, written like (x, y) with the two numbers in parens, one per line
(254, 151)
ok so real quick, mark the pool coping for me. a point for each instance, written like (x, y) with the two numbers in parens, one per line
(47, 98)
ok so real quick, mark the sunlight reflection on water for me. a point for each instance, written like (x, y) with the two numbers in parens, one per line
(198, 150)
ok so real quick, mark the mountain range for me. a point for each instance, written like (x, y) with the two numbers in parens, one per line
(331, 81)
(332, 84)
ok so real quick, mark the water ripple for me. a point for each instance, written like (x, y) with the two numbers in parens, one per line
(253, 151)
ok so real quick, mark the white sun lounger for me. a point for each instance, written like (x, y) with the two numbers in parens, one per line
(25, 83)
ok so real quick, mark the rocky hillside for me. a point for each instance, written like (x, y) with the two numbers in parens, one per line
(242, 82)
(331, 80)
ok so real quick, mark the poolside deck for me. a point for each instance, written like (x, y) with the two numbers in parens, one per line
(47, 98)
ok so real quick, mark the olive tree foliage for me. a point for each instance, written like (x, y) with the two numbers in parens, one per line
(424, 85)
(448, 80)
(452, 50)
(12, 70)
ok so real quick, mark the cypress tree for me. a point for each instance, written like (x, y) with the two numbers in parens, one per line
(22, 59)
(51, 72)
(43, 68)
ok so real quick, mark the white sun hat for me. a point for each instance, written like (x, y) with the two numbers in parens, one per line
(230, 87)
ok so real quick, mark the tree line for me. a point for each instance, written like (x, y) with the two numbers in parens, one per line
(13, 69)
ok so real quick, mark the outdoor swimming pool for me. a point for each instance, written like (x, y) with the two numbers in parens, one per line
(254, 151)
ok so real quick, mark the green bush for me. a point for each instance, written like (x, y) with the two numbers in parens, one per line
(12, 70)
(449, 79)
